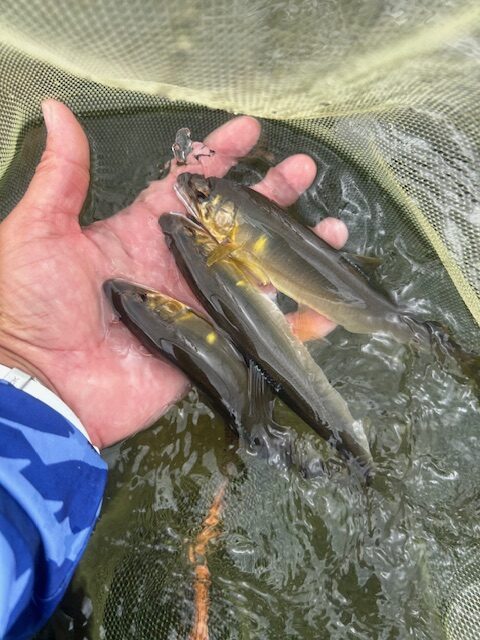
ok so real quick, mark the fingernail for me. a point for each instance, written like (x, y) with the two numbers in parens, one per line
(48, 111)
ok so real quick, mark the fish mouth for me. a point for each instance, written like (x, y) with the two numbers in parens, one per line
(124, 296)
(193, 189)
(187, 202)
(183, 190)
(173, 223)
(116, 288)
(117, 293)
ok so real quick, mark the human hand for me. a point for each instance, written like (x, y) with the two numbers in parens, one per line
(54, 322)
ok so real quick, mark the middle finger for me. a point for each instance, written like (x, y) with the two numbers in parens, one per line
(285, 182)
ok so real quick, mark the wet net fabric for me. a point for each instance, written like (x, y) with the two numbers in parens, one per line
(462, 613)
(393, 85)
(384, 96)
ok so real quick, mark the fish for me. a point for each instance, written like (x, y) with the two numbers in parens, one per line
(279, 250)
(261, 332)
(237, 389)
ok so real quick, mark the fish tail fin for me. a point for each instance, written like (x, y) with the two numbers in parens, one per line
(445, 345)
(279, 445)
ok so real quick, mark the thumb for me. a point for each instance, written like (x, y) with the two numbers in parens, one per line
(57, 191)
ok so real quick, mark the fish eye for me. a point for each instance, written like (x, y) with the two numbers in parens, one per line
(201, 195)
(200, 187)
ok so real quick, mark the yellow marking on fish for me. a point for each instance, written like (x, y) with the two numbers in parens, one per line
(164, 304)
(216, 200)
(240, 283)
(211, 337)
(221, 252)
(252, 271)
(259, 245)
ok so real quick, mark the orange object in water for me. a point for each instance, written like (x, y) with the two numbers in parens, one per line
(197, 556)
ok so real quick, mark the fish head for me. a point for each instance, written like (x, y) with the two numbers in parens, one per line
(137, 304)
(206, 199)
(186, 234)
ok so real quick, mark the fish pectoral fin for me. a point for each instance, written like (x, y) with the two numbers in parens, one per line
(221, 252)
(252, 271)
(307, 324)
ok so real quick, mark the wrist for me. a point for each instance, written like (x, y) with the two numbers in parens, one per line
(35, 363)
(16, 361)
(29, 384)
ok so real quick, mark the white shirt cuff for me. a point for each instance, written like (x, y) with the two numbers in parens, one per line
(29, 384)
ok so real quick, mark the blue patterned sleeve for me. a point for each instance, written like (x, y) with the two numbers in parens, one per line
(51, 488)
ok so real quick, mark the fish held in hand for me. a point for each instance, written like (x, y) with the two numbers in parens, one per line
(170, 329)
(262, 333)
(279, 250)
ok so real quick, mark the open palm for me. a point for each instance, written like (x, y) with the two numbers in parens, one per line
(54, 321)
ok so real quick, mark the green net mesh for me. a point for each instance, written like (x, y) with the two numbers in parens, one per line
(384, 96)
(462, 614)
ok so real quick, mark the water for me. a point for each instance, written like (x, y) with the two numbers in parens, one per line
(324, 558)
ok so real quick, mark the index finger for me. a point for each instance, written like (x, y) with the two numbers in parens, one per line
(229, 142)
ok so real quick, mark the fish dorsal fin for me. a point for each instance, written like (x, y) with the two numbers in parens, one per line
(278, 444)
(260, 393)
(265, 437)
